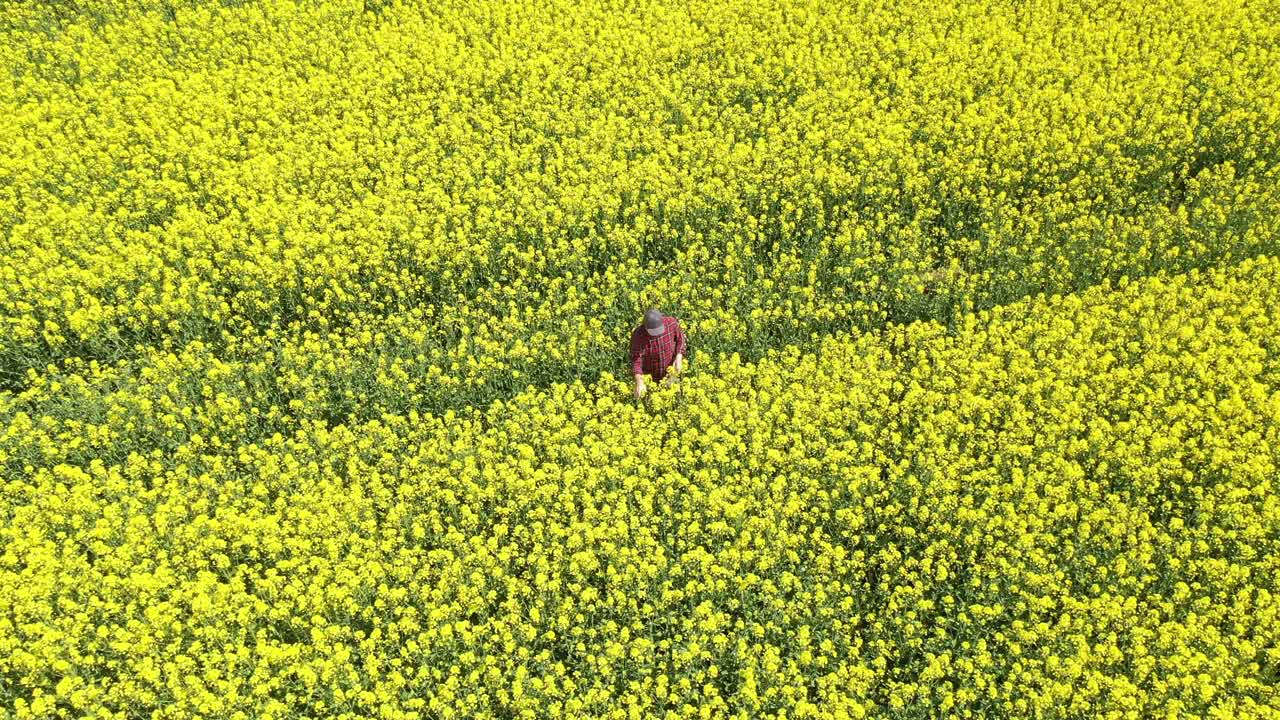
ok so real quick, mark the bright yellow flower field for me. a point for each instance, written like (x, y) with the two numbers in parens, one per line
(314, 398)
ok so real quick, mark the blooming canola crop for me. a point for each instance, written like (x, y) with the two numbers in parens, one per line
(313, 400)
(1066, 507)
(453, 187)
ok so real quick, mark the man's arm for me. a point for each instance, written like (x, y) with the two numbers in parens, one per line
(680, 348)
(637, 363)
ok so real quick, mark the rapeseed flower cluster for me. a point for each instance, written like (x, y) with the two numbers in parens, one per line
(312, 317)
(454, 187)
(1066, 506)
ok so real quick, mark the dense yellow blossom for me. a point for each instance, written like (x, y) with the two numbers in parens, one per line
(454, 186)
(312, 392)
(1067, 506)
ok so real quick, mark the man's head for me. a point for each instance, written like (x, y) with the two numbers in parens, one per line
(653, 322)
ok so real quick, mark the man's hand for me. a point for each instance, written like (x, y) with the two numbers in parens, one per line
(639, 386)
(673, 371)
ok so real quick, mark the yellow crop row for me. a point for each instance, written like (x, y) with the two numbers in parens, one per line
(459, 187)
(1066, 507)
(311, 314)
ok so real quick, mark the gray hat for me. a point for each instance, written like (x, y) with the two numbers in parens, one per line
(653, 322)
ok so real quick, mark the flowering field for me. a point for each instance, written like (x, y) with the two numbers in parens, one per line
(313, 319)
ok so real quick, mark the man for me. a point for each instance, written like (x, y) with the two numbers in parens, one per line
(657, 344)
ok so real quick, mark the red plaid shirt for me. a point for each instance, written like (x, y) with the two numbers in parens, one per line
(653, 354)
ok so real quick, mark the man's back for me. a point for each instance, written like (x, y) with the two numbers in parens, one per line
(657, 344)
